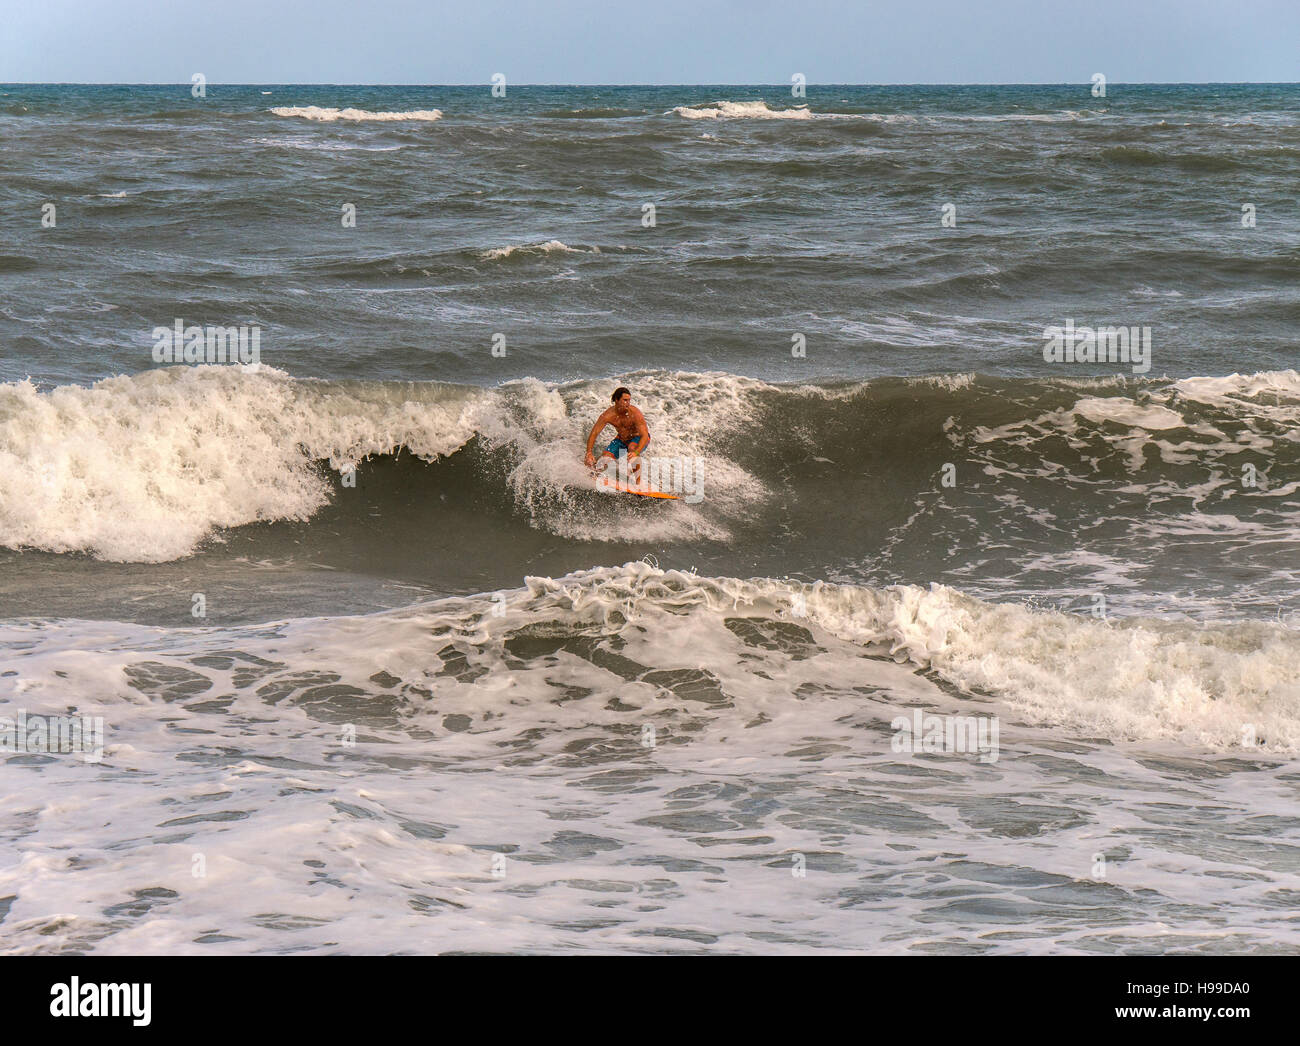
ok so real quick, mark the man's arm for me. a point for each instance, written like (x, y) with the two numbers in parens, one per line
(644, 433)
(601, 422)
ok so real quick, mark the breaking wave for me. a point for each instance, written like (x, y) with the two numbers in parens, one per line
(144, 468)
(328, 115)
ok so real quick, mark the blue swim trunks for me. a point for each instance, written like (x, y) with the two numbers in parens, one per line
(617, 447)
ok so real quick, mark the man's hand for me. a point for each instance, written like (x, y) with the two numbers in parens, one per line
(591, 460)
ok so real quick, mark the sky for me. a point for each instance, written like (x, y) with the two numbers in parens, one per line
(655, 41)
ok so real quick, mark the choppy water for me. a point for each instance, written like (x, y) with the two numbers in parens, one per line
(919, 513)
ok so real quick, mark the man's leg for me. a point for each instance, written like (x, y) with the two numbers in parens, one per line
(634, 461)
(610, 453)
(629, 466)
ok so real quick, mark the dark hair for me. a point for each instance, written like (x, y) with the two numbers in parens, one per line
(620, 391)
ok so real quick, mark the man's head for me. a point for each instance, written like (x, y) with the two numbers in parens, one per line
(622, 399)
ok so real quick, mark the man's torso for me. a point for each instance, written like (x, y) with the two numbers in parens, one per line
(625, 424)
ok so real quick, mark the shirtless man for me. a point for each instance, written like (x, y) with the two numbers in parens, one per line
(633, 436)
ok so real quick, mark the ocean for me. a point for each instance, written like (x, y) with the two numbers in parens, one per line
(972, 635)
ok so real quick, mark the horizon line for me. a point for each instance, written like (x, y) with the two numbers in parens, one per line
(720, 83)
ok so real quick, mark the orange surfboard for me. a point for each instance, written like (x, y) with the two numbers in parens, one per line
(641, 492)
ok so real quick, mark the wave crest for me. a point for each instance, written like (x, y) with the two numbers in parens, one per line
(141, 469)
(758, 110)
(549, 247)
(328, 115)
(144, 468)
(1136, 679)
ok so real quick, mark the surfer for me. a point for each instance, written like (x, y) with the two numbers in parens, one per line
(629, 422)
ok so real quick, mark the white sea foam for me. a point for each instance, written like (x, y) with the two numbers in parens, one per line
(547, 247)
(143, 468)
(689, 415)
(1261, 389)
(327, 115)
(1125, 412)
(1132, 679)
(757, 110)
(1124, 679)
(947, 382)
(629, 759)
